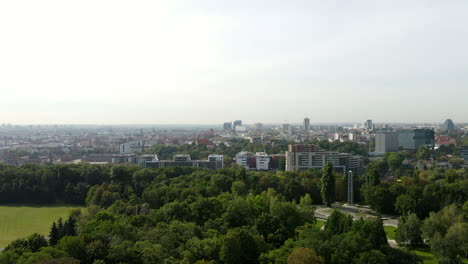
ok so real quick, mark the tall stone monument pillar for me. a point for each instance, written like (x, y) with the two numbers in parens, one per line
(350, 188)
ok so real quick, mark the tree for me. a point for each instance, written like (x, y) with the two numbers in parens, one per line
(304, 256)
(69, 227)
(54, 235)
(372, 175)
(423, 153)
(380, 198)
(454, 245)
(394, 161)
(405, 204)
(409, 231)
(73, 245)
(338, 223)
(372, 257)
(441, 221)
(239, 246)
(328, 184)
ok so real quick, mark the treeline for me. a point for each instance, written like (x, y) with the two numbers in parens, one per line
(71, 183)
(50, 184)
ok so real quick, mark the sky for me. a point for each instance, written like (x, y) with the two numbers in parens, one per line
(213, 61)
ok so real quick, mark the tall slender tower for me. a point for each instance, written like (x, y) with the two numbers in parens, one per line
(350, 188)
(306, 124)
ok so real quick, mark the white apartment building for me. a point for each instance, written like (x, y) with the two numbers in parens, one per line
(262, 161)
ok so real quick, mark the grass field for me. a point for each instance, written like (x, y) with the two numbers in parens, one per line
(17, 221)
(390, 231)
(427, 257)
(319, 223)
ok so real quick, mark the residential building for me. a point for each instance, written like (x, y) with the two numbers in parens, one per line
(386, 142)
(303, 157)
(412, 139)
(262, 161)
(243, 159)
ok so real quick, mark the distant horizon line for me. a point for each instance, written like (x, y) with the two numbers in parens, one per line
(221, 123)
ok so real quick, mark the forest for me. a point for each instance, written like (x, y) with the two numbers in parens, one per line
(190, 215)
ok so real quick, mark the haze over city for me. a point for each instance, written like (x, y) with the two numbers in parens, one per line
(205, 62)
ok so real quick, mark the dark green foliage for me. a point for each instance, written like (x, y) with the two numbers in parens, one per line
(338, 223)
(54, 235)
(328, 185)
(372, 175)
(409, 231)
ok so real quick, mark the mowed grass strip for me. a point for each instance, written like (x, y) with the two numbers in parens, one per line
(390, 231)
(18, 221)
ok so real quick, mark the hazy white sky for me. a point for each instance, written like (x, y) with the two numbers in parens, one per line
(210, 61)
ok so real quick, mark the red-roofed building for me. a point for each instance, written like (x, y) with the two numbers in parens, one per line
(444, 140)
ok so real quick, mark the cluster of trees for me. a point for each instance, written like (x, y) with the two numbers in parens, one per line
(342, 241)
(446, 232)
(432, 204)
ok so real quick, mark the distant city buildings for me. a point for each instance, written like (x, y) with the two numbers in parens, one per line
(259, 161)
(302, 157)
(368, 125)
(464, 154)
(227, 126)
(131, 147)
(236, 124)
(213, 162)
(386, 142)
(413, 138)
(306, 125)
(448, 126)
(444, 140)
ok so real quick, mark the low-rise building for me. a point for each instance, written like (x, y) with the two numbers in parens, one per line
(302, 157)
(444, 140)
(213, 162)
(464, 154)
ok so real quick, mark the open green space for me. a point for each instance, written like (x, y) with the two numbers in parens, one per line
(319, 223)
(390, 231)
(17, 221)
(427, 257)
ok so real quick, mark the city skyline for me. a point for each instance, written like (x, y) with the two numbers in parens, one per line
(174, 62)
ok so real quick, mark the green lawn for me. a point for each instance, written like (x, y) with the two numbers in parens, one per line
(18, 221)
(427, 257)
(319, 223)
(390, 231)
